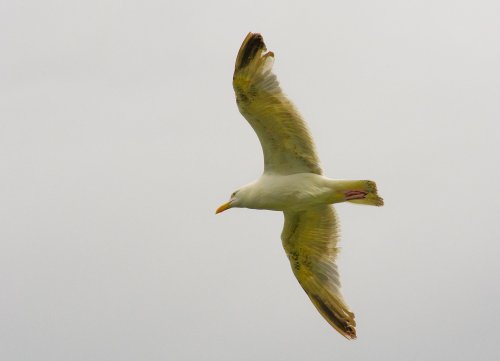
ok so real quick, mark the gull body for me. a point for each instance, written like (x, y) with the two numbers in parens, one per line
(293, 183)
(293, 192)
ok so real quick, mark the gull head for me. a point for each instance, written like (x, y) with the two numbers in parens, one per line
(235, 201)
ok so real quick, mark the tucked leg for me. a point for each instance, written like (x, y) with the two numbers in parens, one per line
(358, 191)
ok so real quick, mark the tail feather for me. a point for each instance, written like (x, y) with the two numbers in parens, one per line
(372, 198)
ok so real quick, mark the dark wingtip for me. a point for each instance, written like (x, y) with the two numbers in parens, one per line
(253, 43)
(342, 325)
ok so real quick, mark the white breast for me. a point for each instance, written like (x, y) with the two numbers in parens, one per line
(287, 192)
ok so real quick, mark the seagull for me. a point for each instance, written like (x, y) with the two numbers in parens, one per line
(292, 182)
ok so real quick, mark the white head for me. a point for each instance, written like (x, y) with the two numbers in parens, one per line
(237, 200)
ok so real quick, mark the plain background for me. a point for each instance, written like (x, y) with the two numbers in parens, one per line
(119, 136)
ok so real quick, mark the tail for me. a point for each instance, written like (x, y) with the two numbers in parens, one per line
(358, 191)
(371, 198)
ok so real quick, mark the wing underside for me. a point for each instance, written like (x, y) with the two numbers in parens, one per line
(310, 241)
(287, 145)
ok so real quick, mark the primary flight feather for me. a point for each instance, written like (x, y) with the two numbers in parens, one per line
(293, 183)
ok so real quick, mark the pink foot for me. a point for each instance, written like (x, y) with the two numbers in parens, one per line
(350, 195)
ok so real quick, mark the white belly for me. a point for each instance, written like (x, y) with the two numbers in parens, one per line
(290, 192)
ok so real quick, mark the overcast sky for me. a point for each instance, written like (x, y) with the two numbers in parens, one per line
(119, 136)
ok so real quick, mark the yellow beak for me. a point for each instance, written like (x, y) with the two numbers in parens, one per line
(222, 208)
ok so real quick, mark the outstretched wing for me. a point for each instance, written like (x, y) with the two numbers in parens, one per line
(310, 241)
(287, 145)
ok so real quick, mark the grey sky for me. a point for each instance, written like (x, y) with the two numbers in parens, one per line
(119, 136)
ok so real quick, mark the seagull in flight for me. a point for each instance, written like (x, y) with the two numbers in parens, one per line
(293, 183)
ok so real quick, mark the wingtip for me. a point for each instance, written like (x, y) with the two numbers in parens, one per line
(251, 46)
(345, 325)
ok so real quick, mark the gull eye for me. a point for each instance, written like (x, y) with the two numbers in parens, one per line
(232, 195)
